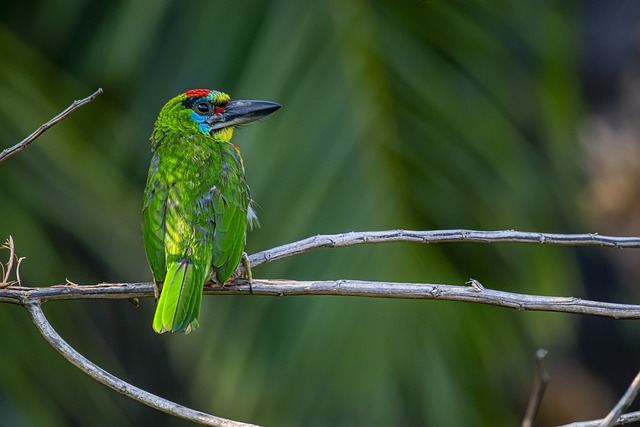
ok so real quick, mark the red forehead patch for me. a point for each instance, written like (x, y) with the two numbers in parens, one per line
(197, 93)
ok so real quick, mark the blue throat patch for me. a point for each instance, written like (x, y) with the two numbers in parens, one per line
(204, 127)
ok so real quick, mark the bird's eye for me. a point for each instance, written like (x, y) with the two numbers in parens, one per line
(203, 107)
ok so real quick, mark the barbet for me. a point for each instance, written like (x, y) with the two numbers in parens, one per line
(197, 204)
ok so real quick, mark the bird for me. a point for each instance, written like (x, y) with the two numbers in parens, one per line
(197, 205)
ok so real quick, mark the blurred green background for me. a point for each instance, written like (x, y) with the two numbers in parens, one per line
(417, 114)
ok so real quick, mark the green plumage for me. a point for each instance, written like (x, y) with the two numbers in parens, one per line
(196, 201)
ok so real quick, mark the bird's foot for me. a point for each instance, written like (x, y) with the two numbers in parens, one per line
(247, 271)
(157, 288)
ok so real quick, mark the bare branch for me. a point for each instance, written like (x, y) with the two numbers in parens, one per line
(631, 417)
(359, 288)
(623, 404)
(438, 236)
(539, 386)
(100, 375)
(5, 154)
(32, 298)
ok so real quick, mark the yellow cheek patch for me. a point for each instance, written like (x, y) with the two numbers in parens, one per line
(224, 134)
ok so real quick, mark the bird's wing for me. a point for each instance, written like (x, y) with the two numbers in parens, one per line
(230, 216)
(188, 243)
(153, 221)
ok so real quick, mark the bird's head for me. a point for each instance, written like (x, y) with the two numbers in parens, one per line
(205, 111)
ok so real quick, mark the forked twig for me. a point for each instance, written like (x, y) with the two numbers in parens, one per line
(8, 152)
(623, 420)
(6, 270)
(626, 400)
(99, 374)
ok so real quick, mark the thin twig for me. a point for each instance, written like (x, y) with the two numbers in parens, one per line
(438, 236)
(5, 154)
(623, 404)
(539, 386)
(6, 270)
(19, 263)
(12, 254)
(100, 375)
(629, 418)
(359, 288)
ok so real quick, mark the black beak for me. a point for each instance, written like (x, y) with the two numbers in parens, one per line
(241, 112)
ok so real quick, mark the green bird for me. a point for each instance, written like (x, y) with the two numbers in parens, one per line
(197, 204)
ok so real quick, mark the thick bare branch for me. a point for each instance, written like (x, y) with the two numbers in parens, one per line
(8, 152)
(99, 374)
(359, 288)
(438, 236)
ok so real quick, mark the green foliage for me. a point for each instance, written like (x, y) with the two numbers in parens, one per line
(414, 114)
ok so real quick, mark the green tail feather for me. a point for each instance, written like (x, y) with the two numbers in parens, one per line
(179, 305)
